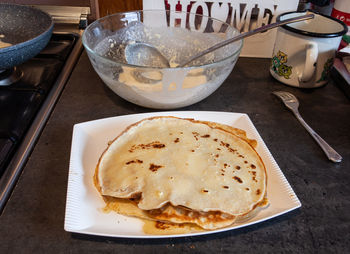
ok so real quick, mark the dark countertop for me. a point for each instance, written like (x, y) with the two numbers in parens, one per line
(34, 216)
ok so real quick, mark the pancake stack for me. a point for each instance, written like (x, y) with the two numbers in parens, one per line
(183, 172)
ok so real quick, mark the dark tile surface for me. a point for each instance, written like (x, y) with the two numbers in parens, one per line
(34, 216)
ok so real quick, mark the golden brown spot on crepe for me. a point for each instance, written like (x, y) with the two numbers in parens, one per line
(264, 202)
(231, 150)
(254, 175)
(206, 136)
(154, 167)
(192, 151)
(154, 144)
(162, 225)
(158, 145)
(258, 192)
(134, 161)
(195, 135)
(240, 156)
(216, 155)
(247, 189)
(227, 145)
(225, 187)
(252, 166)
(133, 147)
(245, 162)
(176, 140)
(189, 214)
(150, 228)
(224, 144)
(205, 191)
(237, 179)
(238, 167)
(215, 139)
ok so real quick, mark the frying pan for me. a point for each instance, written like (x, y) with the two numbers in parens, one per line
(28, 30)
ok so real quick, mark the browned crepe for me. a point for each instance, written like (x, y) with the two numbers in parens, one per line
(182, 171)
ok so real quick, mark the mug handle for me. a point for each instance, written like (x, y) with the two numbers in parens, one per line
(310, 62)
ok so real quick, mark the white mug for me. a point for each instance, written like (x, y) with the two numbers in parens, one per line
(304, 51)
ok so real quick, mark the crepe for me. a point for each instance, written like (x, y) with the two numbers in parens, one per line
(183, 171)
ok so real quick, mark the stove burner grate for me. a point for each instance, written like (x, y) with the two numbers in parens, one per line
(10, 76)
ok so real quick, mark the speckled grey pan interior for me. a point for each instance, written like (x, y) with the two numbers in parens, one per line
(28, 30)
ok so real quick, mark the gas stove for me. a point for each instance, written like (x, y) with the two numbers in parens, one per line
(28, 92)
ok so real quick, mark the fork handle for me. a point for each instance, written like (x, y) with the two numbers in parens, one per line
(328, 150)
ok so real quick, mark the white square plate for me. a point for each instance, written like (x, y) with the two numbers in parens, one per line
(84, 204)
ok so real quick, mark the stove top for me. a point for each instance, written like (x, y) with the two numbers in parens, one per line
(28, 94)
(21, 100)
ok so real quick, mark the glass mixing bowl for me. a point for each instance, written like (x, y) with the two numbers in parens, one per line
(178, 36)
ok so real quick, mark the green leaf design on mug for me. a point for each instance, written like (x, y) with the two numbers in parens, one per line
(279, 67)
(326, 70)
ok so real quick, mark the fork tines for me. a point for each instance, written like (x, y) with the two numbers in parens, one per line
(284, 95)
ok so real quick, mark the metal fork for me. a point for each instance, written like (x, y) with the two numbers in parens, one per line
(292, 103)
